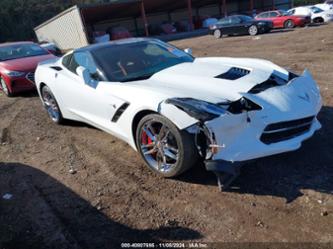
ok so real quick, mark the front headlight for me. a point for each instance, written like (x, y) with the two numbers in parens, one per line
(14, 73)
(198, 109)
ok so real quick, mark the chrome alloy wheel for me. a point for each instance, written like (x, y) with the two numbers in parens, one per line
(51, 106)
(159, 146)
(253, 30)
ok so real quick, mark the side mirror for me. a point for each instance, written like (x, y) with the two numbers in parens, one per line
(86, 76)
(188, 51)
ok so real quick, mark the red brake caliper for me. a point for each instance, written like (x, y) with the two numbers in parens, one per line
(145, 139)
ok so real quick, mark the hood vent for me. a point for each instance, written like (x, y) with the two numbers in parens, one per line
(233, 73)
(273, 81)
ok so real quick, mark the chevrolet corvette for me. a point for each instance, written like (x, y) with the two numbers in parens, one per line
(176, 110)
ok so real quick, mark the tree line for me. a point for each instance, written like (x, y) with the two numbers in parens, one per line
(19, 17)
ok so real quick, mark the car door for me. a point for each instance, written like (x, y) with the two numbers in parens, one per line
(238, 26)
(277, 20)
(225, 26)
(85, 101)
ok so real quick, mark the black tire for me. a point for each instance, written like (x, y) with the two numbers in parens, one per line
(289, 24)
(318, 20)
(217, 34)
(51, 105)
(253, 30)
(186, 156)
(5, 88)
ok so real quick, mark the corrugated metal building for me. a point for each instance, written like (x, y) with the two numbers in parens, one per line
(74, 27)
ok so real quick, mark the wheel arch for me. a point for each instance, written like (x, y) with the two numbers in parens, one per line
(137, 118)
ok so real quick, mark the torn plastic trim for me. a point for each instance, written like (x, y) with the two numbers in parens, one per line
(273, 81)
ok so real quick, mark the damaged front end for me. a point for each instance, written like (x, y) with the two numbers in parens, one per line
(230, 133)
(204, 136)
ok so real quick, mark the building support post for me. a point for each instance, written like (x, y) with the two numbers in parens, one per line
(273, 4)
(144, 18)
(224, 8)
(251, 6)
(190, 15)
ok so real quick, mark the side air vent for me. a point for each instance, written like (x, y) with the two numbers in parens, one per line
(56, 68)
(233, 73)
(273, 81)
(119, 112)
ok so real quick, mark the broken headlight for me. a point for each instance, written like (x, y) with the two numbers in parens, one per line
(198, 109)
(243, 105)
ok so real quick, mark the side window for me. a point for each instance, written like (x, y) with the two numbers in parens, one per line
(67, 60)
(69, 63)
(224, 21)
(263, 15)
(273, 14)
(85, 60)
(236, 20)
(291, 12)
(73, 65)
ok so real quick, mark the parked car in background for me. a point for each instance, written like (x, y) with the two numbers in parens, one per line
(325, 6)
(117, 33)
(18, 62)
(177, 110)
(51, 47)
(240, 25)
(162, 29)
(317, 15)
(209, 22)
(281, 19)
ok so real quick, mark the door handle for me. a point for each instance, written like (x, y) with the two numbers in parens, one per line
(55, 75)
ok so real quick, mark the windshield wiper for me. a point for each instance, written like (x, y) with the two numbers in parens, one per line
(141, 77)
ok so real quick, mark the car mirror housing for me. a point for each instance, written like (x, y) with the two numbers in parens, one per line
(86, 76)
(188, 51)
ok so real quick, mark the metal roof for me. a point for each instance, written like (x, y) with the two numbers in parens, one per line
(94, 13)
(131, 8)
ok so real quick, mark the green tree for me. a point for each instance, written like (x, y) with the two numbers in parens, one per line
(19, 17)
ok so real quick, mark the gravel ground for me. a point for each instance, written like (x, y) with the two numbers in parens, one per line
(112, 197)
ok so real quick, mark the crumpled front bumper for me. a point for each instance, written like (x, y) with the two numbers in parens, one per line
(238, 136)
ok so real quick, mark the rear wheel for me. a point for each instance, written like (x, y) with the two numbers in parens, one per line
(289, 24)
(217, 34)
(253, 30)
(165, 149)
(51, 105)
(4, 87)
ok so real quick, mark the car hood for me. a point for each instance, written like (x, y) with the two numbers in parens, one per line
(26, 64)
(202, 79)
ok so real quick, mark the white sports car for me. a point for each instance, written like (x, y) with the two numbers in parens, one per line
(176, 109)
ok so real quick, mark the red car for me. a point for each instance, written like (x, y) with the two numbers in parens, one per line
(18, 62)
(118, 33)
(281, 19)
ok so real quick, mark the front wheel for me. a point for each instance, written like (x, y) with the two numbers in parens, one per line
(217, 34)
(5, 88)
(51, 105)
(253, 30)
(289, 24)
(165, 149)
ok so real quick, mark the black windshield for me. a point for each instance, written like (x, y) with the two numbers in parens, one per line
(17, 51)
(137, 61)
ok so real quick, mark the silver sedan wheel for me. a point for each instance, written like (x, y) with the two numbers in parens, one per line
(217, 34)
(158, 146)
(253, 30)
(51, 106)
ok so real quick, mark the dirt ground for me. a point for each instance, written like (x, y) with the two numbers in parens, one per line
(112, 197)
